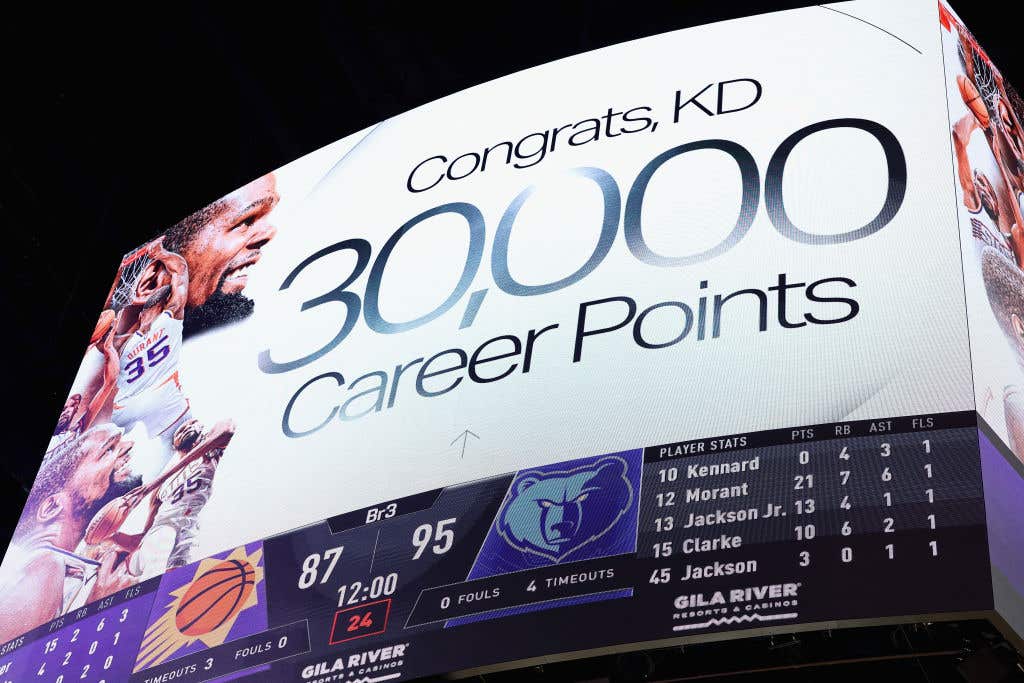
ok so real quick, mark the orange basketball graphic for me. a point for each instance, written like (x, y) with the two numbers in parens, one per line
(973, 99)
(204, 604)
(214, 597)
(102, 325)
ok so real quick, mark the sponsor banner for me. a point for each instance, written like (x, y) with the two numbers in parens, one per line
(662, 340)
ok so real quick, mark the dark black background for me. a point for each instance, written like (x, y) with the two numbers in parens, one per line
(116, 124)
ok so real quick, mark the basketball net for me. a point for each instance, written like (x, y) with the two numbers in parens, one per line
(123, 293)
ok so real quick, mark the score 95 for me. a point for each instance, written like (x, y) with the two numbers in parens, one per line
(438, 537)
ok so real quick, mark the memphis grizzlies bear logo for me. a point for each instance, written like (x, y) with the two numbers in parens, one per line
(554, 514)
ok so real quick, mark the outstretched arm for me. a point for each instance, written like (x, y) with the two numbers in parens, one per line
(113, 575)
(961, 137)
(131, 542)
(109, 519)
(177, 269)
(219, 436)
(111, 369)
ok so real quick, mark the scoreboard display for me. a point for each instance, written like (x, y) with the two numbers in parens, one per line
(840, 521)
(538, 372)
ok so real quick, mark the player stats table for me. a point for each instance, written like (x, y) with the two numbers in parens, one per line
(856, 520)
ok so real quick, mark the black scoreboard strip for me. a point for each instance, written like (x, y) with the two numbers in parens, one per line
(773, 529)
(379, 513)
(810, 434)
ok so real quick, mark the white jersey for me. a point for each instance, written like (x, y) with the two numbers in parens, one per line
(182, 498)
(79, 573)
(184, 495)
(148, 390)
(79, 576)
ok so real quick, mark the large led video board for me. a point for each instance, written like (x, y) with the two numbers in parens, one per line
(656, 343)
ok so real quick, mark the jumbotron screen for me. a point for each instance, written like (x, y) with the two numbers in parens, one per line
(718, 331)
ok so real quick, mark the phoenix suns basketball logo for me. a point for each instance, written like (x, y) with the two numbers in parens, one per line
(213, 602)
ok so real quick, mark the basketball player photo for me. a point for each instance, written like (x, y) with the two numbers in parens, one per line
(988, 147)
(176, 498)
(148, 334)
(127, 445)
(220, 244)
(44, 574)
(89, 403)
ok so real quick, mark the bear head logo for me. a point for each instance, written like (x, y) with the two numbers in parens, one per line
(554, 514)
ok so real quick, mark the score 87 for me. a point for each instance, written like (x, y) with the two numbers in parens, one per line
(443, 538)
(311, 566)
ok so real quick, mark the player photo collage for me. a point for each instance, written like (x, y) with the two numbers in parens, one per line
(987, 118)
(129, 468)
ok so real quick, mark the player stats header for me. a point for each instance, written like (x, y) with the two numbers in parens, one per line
(654, 243)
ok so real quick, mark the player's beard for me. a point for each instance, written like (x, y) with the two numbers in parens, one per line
(116, 489)
(64, 422)
(218, 309)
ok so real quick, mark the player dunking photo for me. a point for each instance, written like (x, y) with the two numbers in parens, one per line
(148, 337)
(172, 530)
(129, 373)
(43, 576)
(75, 542)
(988, 145)
(176, 498)
(982, 91)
